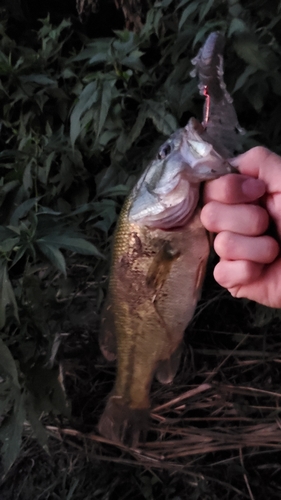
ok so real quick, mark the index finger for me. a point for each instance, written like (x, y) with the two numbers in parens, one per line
(261, 163)
(233, 189)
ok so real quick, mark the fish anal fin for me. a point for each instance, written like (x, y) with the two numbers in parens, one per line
(168, 368)
(122, 424)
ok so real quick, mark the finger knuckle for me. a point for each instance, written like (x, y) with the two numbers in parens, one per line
(228, 185)
(246, 270)
(224, 243)
(271, 250)
(260, 152)
(259, 219)
(209, 215)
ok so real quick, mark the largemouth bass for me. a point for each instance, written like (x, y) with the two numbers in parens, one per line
(158, 265)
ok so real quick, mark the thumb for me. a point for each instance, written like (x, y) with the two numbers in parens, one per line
(261, 163)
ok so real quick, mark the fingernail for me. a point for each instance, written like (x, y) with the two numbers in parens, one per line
(234, 161)
(253, 188)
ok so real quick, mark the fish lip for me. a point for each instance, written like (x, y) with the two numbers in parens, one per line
(217, 168)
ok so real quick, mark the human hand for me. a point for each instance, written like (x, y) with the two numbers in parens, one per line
(240, 208)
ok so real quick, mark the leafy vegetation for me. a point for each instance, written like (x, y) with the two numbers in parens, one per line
(80, 117)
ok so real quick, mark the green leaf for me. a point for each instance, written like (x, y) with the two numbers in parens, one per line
(9, 386)
(86, 99)
(81, 246)
(22, 210)
(19, 254)
(186, 13)
(106, 210)
(119, 190)
(40, 79)
(104, 105)
(96, 51)
(99, 58)
(247, 48)
(237, 26)
(133, 61)
(53, 255)
(11, 427)
(164, 121)
(7, 296)
(126, 43)
(47, 211)
(7, 188)
(6, 233)
(72, 244)
(241, 81)
(206, 6)
(8, 365)
(138, 125)
(8, 244)
(11, 431)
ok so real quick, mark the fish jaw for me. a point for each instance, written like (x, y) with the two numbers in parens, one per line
(203, 161)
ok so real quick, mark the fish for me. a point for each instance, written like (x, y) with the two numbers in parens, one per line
(159, 258)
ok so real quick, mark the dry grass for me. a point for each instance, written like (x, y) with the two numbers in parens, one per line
(226, 428)
(224, 403)
(215, 433)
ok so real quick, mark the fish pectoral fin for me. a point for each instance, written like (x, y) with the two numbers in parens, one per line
(168, 368)
(199, 279)
(107, 335)
(160, 266)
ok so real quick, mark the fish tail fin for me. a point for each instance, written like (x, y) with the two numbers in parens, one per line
(168, 368)
(122, 424)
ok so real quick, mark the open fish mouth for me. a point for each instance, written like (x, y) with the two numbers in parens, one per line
(170, 208)
(202, 161)
(167, 193)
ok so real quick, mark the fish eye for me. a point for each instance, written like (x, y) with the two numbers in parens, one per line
(164, 151)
